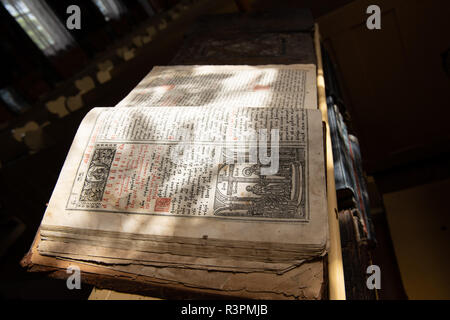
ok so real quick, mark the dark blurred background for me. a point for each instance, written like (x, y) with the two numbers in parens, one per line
(395, 82)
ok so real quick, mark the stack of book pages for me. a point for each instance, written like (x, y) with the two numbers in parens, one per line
(210, 177)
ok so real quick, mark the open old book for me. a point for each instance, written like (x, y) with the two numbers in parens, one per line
(201, 174)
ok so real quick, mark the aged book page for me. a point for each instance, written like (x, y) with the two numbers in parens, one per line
(261, 252)
(101, 253)
(286, 86)
(166, 173)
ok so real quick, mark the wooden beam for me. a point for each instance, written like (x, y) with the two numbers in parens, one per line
(335, 266)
